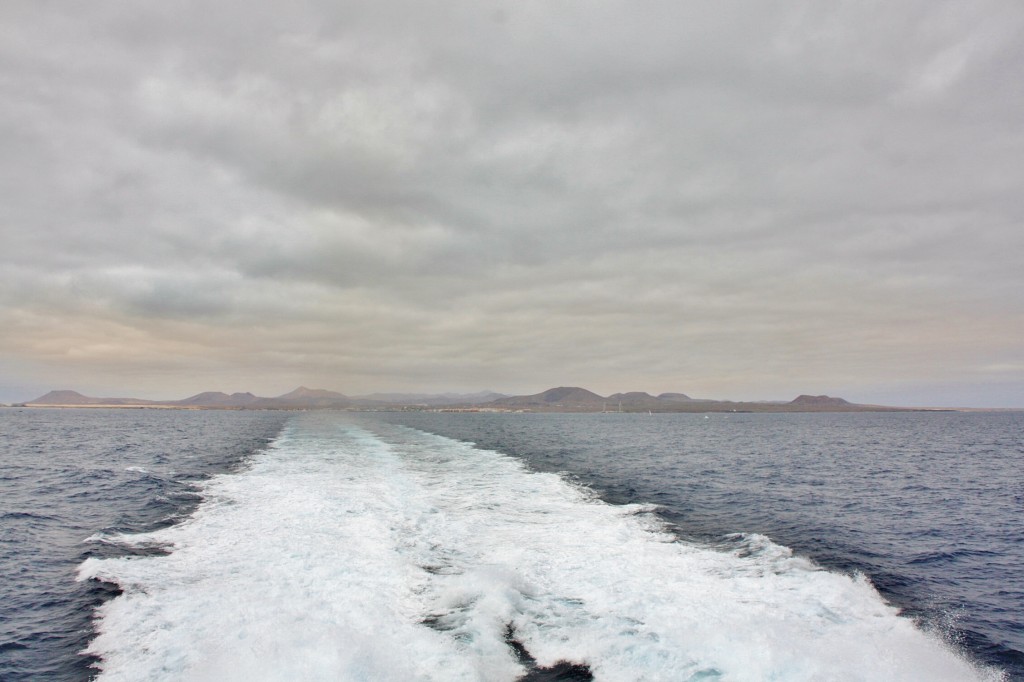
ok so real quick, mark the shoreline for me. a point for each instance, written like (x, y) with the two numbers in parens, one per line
(465, 409)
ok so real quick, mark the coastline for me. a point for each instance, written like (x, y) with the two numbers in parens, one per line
(761, 409)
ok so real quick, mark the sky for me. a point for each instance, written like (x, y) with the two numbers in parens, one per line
(729, 199)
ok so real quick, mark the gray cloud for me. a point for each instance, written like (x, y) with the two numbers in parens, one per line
(735, 199)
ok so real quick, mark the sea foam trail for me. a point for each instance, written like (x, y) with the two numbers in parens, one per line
(343, 553)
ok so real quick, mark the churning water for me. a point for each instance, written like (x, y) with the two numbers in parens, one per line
(497, 547)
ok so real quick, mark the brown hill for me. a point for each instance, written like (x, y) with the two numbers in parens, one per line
(574, 399)
(819, 401)
(65, 397)
(675, 397)
(305, 398)
(563, 397)
(218, 399)
(632, 396)
(300, 398)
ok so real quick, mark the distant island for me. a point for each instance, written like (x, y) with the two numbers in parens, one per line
(560, 399)
(573, 399)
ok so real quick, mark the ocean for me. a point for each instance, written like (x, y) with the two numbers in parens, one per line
(244, 545)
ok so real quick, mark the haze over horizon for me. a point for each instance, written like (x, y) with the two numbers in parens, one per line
(734, 200)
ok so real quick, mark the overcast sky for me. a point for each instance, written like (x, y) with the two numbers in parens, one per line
(747, 199)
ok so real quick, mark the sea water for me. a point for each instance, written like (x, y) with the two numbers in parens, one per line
(497, 547)
(929, 506)
(70, 479)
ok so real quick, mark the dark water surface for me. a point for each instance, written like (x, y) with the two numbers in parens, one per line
(927, 505)
(930, 506)
(69, 474)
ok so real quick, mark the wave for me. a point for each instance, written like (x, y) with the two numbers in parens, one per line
(348, 552)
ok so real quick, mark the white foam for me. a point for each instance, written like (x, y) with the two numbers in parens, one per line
(342, 554)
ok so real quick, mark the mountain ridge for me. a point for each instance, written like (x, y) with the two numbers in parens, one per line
(557, 399)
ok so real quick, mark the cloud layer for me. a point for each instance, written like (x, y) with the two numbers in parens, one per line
(731, 199)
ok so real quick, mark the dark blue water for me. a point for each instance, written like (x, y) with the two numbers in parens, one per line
(930, 506)
(67, 475)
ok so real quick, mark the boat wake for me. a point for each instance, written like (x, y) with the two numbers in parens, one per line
(350, 552)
